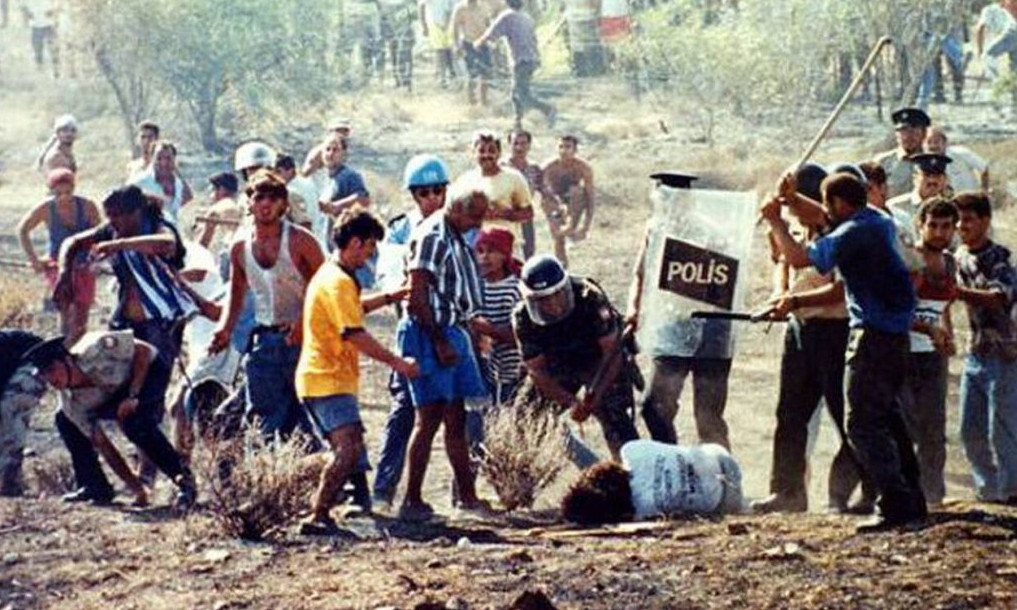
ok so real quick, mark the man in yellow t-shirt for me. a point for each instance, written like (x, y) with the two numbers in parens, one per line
(327, 377)
(510, 203)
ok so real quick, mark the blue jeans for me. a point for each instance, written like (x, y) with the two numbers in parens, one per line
(988, 400)
(395, 439)
(271, 369)
(953, 50)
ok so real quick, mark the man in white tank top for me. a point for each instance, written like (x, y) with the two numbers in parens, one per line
(275, 261)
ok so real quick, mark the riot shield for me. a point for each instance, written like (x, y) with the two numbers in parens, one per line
(697, 259)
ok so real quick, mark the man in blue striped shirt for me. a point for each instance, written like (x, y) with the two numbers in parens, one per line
(445, 293)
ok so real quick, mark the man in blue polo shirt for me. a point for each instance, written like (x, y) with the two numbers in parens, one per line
(881, 303)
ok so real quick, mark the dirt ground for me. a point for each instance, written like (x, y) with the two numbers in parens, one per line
(58, 556)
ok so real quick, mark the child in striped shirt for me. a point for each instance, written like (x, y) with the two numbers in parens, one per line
(501, 293)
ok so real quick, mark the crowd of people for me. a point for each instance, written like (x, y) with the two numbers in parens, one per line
(261, 304)
(261, 298)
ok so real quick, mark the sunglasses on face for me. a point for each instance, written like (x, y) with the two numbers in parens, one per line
(428, 191)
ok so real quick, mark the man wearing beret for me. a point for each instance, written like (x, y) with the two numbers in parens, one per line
(930, 180)
(910, 125)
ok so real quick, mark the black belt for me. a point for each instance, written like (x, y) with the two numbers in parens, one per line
(264, 329)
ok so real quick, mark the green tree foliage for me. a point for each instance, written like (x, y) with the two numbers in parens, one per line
(757, 57)
(200, 50)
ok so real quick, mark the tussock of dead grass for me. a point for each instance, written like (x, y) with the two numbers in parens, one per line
(523, 452)
(257, 487)
(51, 474)
(19, 300)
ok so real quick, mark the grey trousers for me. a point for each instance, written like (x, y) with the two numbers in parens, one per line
(709, 391)
(924, 403)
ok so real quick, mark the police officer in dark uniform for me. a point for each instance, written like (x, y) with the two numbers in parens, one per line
(910, 125)
(567, 329)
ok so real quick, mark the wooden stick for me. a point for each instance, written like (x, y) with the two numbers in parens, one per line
(873, 55)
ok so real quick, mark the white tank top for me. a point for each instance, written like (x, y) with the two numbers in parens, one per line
(278, 291)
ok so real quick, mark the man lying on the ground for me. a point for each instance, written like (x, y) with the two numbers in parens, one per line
(656, 479)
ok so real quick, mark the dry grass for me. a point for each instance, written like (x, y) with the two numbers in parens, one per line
(268, 483)
(523, 452)
(19, 301)
(51, 474)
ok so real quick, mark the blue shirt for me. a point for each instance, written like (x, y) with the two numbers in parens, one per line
(347, 181)
(879, 290)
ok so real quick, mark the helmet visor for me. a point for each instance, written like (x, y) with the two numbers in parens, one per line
(551, 306)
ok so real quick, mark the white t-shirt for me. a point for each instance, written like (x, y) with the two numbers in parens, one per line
(41, 13)
(670, 479)
(965, 169)
(997, 20)
(198, 333)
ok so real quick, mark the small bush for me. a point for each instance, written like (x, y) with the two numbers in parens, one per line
(257, 487)
(523, 452)
(51, 474)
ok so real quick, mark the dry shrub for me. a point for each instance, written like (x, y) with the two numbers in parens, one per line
(51, 474)
(523, 452)
(257, 487)
(19, 300)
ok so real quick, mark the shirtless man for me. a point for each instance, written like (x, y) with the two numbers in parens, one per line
(59, 151)
(274, 260)
(469, 22)
(570, 178)
(148, 135)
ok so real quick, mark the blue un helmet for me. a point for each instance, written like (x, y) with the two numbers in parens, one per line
(425, 170)
(547, 290)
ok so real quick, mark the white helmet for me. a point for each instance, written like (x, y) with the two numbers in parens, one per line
(253, 154)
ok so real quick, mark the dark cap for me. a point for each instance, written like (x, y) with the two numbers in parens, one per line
(931, 163)
(910, 117)
(46, 353)
(675, 180)
(226, 180)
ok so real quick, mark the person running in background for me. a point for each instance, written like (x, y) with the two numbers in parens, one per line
(469, 21)
(519, 30)
(64, 214)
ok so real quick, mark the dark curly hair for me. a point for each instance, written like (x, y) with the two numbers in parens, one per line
(601, 495)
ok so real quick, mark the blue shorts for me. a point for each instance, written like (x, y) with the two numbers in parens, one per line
(330, 413)
(439, 384)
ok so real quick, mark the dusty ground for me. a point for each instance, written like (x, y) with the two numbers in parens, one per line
(77, 557)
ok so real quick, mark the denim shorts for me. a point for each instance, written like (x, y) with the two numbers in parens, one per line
(330, 413)
(440, 384)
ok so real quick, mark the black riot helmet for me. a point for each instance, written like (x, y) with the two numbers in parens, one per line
(547, 290)
(808, 177)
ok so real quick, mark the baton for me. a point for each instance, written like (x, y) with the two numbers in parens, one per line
(765, 315)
